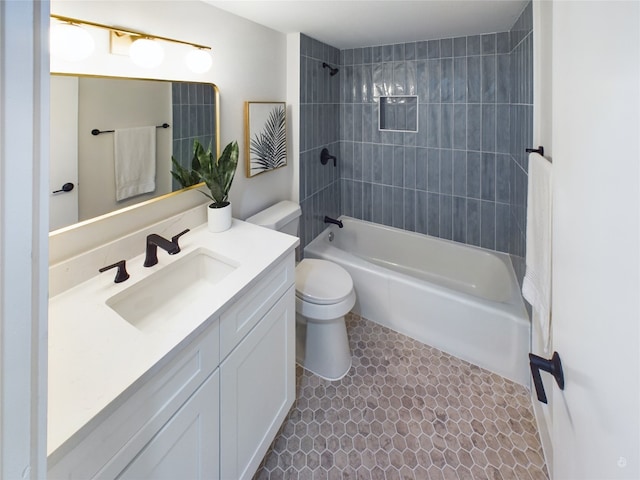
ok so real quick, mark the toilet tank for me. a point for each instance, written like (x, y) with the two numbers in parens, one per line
(283, 216)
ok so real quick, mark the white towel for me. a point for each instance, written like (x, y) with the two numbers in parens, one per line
(135, 161)
(536, 287)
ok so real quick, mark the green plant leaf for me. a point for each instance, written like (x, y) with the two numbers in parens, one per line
(269, 146)
(183, 176)
(218, 174)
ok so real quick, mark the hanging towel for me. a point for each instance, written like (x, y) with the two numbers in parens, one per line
(536, 287)
(135, 161)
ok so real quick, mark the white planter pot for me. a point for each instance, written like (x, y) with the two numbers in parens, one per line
(219, 219)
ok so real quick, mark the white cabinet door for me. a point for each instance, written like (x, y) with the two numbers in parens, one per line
(257, 388)
(187, 446)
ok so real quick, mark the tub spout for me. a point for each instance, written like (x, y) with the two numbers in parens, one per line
(333, 220)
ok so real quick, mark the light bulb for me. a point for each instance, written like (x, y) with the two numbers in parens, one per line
(70, 42)
(146, 53)
(198, 60)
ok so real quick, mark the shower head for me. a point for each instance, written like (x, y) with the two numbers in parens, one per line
(332, 70)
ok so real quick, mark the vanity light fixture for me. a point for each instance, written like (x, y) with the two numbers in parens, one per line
(198, 60)
(69, 41)
(146, 52)
(144, 49)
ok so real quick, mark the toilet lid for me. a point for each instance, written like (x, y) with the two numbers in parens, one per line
(322, 282)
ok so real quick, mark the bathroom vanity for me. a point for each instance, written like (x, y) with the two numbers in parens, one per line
(186, 370)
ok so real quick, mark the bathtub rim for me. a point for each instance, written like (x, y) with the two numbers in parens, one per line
(515, 299)
(511, 365)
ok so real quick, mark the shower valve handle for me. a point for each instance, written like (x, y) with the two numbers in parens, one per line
(553, 366)
(325, 157)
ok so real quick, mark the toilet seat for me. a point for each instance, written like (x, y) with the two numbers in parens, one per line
(321, 282)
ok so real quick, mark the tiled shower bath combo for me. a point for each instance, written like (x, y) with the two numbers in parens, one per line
(407, 410)
(462, 176)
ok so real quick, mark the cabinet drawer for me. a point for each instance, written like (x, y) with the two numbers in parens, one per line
(243, 315)
(113, 443)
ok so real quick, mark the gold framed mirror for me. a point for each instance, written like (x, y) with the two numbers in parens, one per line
(87, 110)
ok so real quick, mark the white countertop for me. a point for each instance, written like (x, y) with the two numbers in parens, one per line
(95, 355)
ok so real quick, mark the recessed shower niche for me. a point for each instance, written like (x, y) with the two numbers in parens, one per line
(398, 113)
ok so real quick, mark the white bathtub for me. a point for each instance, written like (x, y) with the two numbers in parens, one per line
(458, 298)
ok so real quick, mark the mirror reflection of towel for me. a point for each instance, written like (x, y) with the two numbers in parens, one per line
(135, 161)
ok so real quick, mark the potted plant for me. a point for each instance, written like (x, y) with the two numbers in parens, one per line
(217, 175)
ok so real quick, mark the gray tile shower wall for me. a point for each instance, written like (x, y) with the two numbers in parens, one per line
(319, 128)
(462, 176)
(521, 135)
(451, 178)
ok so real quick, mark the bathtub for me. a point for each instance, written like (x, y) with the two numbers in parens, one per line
(458, 298)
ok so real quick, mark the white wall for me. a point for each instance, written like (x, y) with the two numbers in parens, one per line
(596, 248)
(249, 63)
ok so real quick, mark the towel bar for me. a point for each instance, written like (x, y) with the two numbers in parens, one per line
(96, 132)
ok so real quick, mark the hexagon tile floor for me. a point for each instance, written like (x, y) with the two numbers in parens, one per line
(405, 411)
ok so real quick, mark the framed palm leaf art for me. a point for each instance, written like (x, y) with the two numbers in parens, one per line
(265, 136)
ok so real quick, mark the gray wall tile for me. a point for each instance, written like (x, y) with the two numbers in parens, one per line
(503, 126)
(409, 203)
(488, 128)
(503, 71)
(460, 80)
(460, 47)
(433, 125)
(474, 175)
(446, 171)
(460, 127)
(421, 211)
(446, 80)
(474, 127)
(377, 203)
(473, 45)
(433, 214)
(446, 47)
(473, 222)
(421, 168)
(398, 207)
(488, 176)
(446, 217)
(462, 175)
(422, 52)
(488, 78)
(488, 44)
(460, 219)
(433, 170)
(434, 71)
(474, 79)
(488, 225)
(410, 167)
(433, 49)
(446, 122)
(503, 175)
(503, 44)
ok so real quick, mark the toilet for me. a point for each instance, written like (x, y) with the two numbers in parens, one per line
(324, 295)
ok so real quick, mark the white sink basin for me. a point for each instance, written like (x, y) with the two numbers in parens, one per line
(182, 287)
